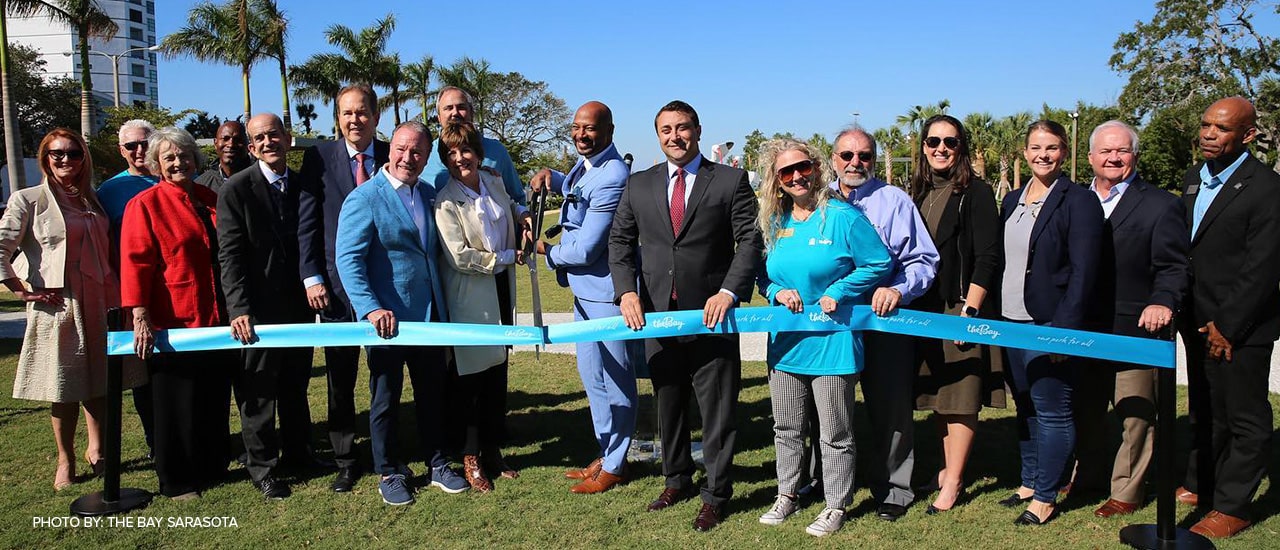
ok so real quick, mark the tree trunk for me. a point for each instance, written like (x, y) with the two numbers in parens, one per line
(981, 167)
(284, 88)
(244, 77)
(1017, 173)
(888, 166)
(86, 85)
(12, 140)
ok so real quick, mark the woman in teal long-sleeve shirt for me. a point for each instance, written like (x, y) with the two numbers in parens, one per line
(825, 253)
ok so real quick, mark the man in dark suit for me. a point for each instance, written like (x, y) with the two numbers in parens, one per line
(258, 251)
(1142, 276)
(330, 171)
(696, 220)
(1233, 316)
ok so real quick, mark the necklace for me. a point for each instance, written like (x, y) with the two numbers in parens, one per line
(795, 213)
(944, 191)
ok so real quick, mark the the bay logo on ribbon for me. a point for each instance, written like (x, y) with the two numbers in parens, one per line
(668, 322)
(984, 329)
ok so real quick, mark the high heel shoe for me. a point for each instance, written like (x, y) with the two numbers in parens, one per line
(98, 468)
(1028, 518)
(1014, 501)
(934, 510)
(60, 481)
(475, 474)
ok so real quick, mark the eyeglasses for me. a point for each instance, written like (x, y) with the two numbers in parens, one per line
(864, 156)
(69, 154)
(950, 141)
(787, 173)
(134, 145)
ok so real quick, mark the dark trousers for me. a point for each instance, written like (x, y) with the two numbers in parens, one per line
(428, 372)
(271, 379)
(1231, 423)
(342, 364)
(710, 369)
(482, 409)
(146, 415)
(1042, 391)
(191, 397)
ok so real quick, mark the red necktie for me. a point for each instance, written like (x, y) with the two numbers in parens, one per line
(677, 213)
(361, 175)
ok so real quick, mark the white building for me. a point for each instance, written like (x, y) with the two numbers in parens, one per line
(137, 22)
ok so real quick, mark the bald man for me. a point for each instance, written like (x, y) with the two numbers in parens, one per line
(1233, 316)
(233, 155)
(581, 262)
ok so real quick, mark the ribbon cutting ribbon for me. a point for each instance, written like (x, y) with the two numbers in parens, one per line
(1125, 349)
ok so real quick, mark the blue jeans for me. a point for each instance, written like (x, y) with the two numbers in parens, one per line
(1046, 430)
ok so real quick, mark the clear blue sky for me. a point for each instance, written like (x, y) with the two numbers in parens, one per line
(802, 67)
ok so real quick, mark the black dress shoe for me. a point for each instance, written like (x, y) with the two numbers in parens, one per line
(934, 510)
(1014, 501)
(273, 488)
(345, 481)
(1028, 518)
(890, 512)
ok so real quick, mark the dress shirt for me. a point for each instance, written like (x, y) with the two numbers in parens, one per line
(279, 181)
(412, 200)
(493, 221)
(369, 168)
(898, 222)
(1110, 201)
(1209, 187)
(690, 175)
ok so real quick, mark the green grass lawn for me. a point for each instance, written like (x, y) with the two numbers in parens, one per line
(551, 427)
(10, 302)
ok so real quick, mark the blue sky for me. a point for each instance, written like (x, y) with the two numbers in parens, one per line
(802, 67)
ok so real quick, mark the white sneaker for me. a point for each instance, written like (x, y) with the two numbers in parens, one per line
(829, 521)
(782, 508)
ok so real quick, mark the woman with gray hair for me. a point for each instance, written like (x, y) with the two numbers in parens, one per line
(817, 252)
(169, 279)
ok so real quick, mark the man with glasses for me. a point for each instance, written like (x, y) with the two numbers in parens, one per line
(889, 375)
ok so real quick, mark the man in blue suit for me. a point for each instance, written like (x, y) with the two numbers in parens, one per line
(581, 261)
(386, 256)
(452, 107)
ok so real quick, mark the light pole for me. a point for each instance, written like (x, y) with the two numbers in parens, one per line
(115, 64)
(1075, 116)
(855, 118)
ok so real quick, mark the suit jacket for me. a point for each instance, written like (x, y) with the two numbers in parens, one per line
(468, 274)
(326, 182)
(1062, 257)
(717, 246)
(1144, 258)
(34, 228)
(166, 258)
(581, 260)
(258, 249)
(380, 255)
(1235, 255)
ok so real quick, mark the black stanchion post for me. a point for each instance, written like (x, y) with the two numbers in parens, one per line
(112, 499)
(1165, 534)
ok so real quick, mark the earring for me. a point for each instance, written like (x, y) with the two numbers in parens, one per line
(781, 194)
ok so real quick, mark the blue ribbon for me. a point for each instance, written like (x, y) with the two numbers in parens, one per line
(1125, 349)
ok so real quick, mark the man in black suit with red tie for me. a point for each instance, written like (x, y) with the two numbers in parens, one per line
(697, 222)
(330, 171)
(1233, 317)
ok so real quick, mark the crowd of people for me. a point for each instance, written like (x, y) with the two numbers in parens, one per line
(430, 228)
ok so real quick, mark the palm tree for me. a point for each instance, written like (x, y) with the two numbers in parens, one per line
(319, 79)
(1006, 141)
(275, 33)
(88, 19)
(889, 140)
(12, 141)
(221, 34)
(474, 76)
(363, 60)
(307, 112)
(395, 78)
(417, 81)
(979, 125)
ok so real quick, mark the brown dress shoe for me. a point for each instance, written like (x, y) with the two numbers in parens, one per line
(1113, 507)
(585, 473)
(1218, 525)
(707, 519)
(475, 474)
(603, 481)
(668, 498)
(1185, 496)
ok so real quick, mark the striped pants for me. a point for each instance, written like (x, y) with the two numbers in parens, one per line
(833, 396)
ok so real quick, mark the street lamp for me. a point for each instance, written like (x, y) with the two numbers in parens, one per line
(855, 118)
(1074, 117)
(115, 64)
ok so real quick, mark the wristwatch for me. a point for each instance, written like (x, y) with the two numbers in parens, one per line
(970, 311)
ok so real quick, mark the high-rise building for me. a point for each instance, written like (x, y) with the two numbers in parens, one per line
(57, 43)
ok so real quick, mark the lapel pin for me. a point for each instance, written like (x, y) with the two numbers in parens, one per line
(1237, 186)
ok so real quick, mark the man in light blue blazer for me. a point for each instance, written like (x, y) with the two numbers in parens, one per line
(386, 257)
(581, 261)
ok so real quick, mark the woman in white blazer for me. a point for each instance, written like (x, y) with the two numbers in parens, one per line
(60, 232)
(477, 221)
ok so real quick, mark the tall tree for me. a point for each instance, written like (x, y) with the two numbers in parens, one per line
(87, 19)
(525, 116)
(39, 105)
(417, 82)
(307, 113)
(318, 79)
(221, 34)
(202, 126)
(275, 34)
(363, 59)
(473, 76)
(12, 149)
(394, 80)
(979, 125)
(751, 148)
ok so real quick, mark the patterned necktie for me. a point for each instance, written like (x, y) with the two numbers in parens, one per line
(677, 202)
(361, 175)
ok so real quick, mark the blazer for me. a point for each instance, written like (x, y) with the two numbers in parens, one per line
(1235, 255)
(469, 286)
(326, 181)
(166, 258)
(258, 249)
(381, 256)
(33, 227)
(581, 260)
(1062, 258)
(968, 242)
(1144, 259)
(717, 246)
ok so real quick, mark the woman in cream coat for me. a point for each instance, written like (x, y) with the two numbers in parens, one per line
(477, 222)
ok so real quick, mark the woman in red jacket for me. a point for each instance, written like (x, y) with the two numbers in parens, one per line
(169, 278)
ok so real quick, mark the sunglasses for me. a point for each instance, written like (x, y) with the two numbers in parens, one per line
(864, 156)
(803, 168)
(134, 145)
(933, 141)
(69, 154)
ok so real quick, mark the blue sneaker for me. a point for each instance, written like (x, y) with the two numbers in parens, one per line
(448, 480)
(395, 490)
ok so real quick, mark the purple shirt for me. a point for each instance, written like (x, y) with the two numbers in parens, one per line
(898, 222)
